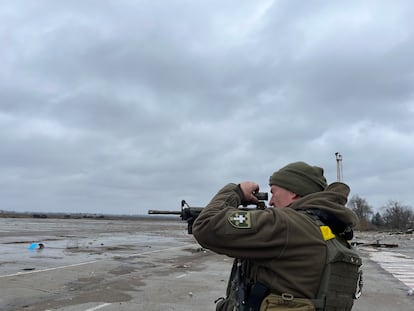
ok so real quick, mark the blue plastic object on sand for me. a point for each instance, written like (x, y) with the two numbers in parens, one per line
(33, 246)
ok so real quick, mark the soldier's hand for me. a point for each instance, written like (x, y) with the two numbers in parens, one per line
(248, 188)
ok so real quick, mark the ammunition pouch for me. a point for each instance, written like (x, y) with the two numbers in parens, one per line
(286, 302)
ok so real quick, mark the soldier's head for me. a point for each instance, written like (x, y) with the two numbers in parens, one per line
(294, 181)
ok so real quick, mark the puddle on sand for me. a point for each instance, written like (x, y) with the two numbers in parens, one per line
(62, 248)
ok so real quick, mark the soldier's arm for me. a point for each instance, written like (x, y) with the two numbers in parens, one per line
(225, 229)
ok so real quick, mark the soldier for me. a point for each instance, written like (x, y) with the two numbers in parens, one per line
(279, 252)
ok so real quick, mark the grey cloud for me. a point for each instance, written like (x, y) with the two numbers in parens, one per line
(110, 106)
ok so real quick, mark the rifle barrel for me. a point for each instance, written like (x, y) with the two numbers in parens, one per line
(159, 212)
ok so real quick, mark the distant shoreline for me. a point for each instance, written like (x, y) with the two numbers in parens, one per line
(8, 214)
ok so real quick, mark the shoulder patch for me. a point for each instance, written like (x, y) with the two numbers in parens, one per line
(326, 233)
(240, 219)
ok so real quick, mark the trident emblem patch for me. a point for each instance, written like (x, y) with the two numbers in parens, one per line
(240, 219)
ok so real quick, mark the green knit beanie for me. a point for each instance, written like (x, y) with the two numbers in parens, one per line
(299, 178)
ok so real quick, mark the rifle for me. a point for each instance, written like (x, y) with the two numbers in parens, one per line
(189, 213)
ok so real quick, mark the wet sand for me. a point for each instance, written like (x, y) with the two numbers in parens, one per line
(148, 264)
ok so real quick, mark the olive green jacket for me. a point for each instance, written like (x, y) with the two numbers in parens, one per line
(284, 248)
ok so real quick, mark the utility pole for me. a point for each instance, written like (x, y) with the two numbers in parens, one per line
(338, 166)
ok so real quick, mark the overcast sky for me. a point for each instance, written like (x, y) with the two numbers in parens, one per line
(122, 106)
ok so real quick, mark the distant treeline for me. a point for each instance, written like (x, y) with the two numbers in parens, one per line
(392, 216)
(8, 214)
